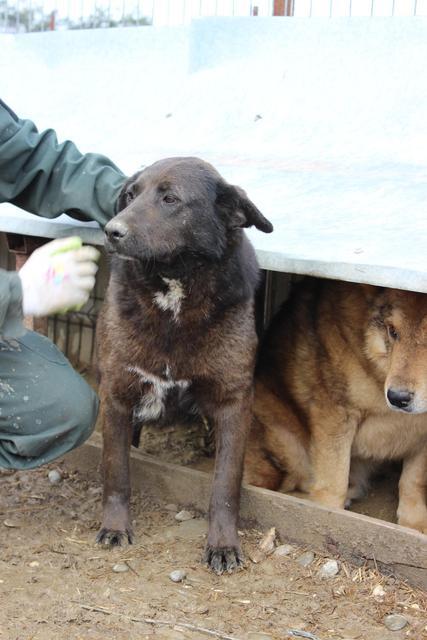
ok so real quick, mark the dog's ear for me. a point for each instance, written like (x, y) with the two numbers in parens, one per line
(122, 200)
(126, 195)
(241, 212)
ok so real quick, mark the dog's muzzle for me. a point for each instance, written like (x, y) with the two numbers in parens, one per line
(115, 232)
(400, 399)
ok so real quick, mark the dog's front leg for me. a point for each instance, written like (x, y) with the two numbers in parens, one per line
(231, 424)
(412, 510)
(332, 435)
(117, 434)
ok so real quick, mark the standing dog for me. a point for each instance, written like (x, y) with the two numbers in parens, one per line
(343, 375)
(177, 332)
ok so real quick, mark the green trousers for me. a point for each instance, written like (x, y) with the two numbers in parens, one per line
(46, 408)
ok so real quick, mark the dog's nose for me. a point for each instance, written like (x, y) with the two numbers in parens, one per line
(400, 398)
(115, 231)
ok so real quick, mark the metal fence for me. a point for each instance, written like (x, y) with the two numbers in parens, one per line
(35, 15)
(354, 8)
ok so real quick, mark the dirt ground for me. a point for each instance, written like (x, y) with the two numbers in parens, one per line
(55, 582)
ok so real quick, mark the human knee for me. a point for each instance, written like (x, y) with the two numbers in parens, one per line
(84, 410)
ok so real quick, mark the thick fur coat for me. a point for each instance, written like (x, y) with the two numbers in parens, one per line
(342, 378)
(177, 335)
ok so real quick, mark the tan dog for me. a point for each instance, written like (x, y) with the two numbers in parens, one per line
(343, 376)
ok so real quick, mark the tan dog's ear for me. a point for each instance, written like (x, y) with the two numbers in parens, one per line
(241, 212)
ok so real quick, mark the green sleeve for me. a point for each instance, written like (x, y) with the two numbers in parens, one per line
(11, 317)
(47, 178)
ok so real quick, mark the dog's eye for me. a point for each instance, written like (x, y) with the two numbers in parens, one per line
(392, 333)
(170, 199)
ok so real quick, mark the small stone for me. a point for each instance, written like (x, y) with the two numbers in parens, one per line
(306, 559)
(184, 515)
(395, 622)
(329, 569)
(11, 524)
(34, 563)
(54, 476)
(378, 592)
(171, 507)
(299, 633)
(284, 550)
(120, 567)
(266, 545)
(178, 575)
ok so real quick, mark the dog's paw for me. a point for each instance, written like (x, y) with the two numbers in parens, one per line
(411, 523)
(223, 559)
(413, 514)
(114, 537)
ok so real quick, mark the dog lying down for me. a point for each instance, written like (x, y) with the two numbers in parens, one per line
(176, 334)
(343, 375)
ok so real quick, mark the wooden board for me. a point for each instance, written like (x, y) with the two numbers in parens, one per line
(355, 537)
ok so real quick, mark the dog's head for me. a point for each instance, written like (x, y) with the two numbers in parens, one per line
(177, 206)
(397, 344)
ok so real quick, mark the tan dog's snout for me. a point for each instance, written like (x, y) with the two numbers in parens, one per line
(405, 387)
(405, 395)
(400, 398)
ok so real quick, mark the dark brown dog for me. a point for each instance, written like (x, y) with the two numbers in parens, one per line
(177, 332)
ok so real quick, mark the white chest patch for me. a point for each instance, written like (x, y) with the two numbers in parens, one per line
(152, 402)
(172, 299)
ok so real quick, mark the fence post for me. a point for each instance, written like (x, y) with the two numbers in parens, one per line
(52, 21)
(283, 8)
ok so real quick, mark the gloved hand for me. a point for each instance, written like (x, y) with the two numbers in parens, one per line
(58, 276)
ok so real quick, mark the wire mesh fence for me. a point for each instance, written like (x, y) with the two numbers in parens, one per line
(31, 15)
(354, 8)
(17, 16)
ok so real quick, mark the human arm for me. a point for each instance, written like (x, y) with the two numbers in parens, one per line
(48, 178)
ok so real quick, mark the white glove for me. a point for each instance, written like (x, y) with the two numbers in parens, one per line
(58, 276)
